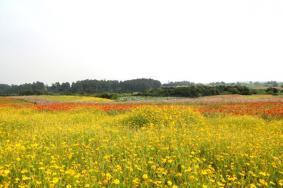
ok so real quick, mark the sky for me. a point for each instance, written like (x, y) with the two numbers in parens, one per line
(169, 40)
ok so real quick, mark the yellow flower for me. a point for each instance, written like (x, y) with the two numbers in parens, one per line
(220, 184)
(169, 183)
(189, 169)
(68, 186)
(179, 174)
(24, 178)
(233, 178)
(204, 172)
(263, 182)
(116, 181)
(70, 172)
(280, 182)
(6, 172)
(55, 180)
(263, 173)
(108, 176)
(174, 186)
(145, 176)
(24, 171)
(252, 185)
(136, 181)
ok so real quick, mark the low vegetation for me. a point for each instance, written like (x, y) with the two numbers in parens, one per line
(69, 98)
(134, 145)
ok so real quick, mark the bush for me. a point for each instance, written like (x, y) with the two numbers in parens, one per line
(272, 91)
(107, 95)
(162, 116)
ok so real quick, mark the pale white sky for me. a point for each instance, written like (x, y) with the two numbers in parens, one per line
(199, 40)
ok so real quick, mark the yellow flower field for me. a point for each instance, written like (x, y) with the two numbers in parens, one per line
(71, 98)
(64, 98)
(150, 146)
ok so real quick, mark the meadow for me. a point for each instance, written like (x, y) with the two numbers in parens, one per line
(62, 99)
(68, 143)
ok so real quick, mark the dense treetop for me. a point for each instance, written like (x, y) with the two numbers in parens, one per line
(81, 87)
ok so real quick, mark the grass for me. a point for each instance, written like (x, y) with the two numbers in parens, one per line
(263, 96)
(149, 146)
(8, 100)
(70, 98)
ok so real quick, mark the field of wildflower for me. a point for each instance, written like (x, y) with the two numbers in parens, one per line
(62, 99)
(141, 145)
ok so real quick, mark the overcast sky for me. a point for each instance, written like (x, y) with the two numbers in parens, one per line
(199, 40)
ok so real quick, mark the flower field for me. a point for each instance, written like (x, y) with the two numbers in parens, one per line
(141, 145)
(43, 99)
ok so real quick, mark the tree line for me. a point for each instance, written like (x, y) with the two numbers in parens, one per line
(198, 90)
(190, 89)
(147, 87)
(83, 87)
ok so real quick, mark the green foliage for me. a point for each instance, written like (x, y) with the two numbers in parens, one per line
(111, 86)
(139, 85)
(162, 116)
(4, 89)
(86, 87)
(35, 88)
(63, 88)
(272, 91)
(113, 96)
(199, 90)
